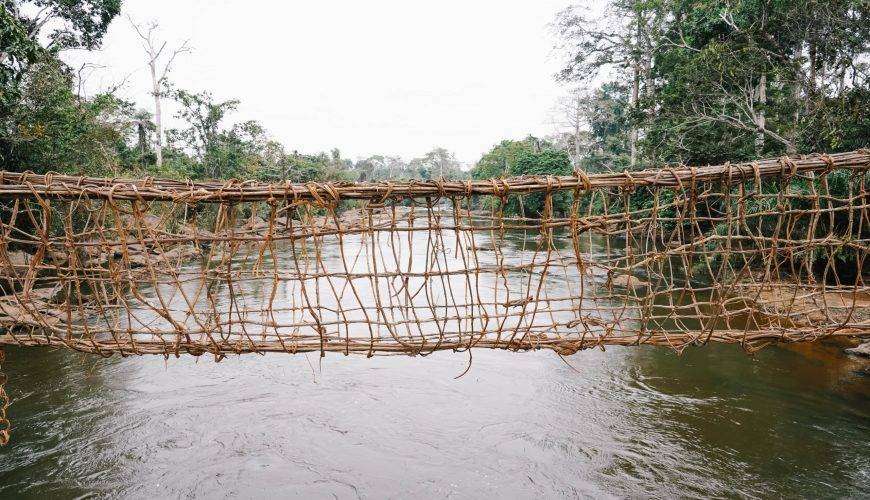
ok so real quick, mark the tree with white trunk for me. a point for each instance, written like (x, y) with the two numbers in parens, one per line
(159, 61)
(570, 115)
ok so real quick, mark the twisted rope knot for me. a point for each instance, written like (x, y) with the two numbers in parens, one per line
(383, 199)
(583, 178)
(829, 164)
(786, 162)
(632, 184)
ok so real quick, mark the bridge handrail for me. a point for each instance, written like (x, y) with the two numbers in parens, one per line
(61, 186)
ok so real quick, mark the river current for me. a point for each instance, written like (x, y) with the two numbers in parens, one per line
(625, 422)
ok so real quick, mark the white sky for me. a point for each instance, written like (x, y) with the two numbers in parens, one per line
(369, 77)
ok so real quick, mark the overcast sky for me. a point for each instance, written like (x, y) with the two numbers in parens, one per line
(374, 77)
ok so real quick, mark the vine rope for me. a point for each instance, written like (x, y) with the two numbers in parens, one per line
(749, 254)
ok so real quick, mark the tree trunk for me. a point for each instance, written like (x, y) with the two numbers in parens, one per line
(811, 84)
(760, 119)
(841, 87)
(142, 146)
(158, 114)
(635, 92)
(796, 99)
(577, 118)
(791, 148)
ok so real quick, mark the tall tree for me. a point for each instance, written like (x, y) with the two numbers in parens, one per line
(144, 126)
(438, 163)
(64, 24)
(570, 113)
(622, 41)
(204, 132)
(159, 60)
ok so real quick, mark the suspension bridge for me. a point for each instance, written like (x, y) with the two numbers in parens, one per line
(747, 253)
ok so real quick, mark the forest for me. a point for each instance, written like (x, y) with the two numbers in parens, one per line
(651, 82)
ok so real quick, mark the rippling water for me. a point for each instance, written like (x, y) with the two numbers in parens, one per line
(629, 421)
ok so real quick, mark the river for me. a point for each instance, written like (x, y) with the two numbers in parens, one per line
(628, 421)
(636, 421)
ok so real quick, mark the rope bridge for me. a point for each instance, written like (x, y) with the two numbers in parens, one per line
(769, 251)
(750, 254)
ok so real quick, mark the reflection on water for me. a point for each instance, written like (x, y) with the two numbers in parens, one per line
(626, 421)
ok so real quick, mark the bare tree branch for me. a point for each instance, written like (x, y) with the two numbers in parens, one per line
(158, 73)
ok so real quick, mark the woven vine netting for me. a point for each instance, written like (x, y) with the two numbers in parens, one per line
(750, 254)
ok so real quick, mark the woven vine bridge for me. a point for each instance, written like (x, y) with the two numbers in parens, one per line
(754, 253)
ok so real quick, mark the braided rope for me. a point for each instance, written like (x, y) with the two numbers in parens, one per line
(747, 254)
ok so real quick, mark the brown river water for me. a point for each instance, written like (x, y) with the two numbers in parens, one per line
(636, 422)
(626, 422)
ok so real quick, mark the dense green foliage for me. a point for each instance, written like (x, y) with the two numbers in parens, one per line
(609, 121)
(543, 162)
(530, 156)
(51, 128)
(43, 124)
(704, 82)
(62, 24)
(710, 81)
(501, 160)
